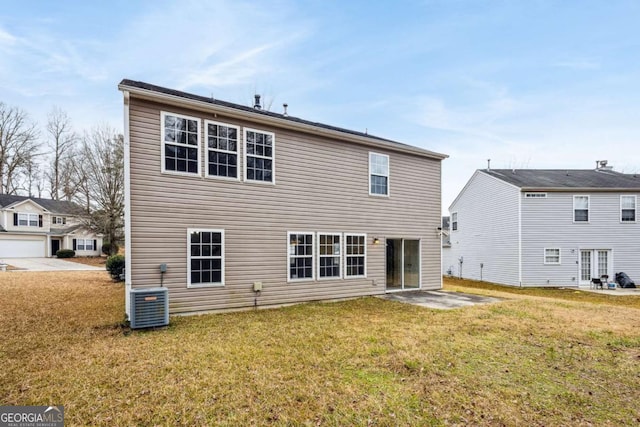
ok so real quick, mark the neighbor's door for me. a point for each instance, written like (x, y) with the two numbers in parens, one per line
(55, 246)
(595, 263)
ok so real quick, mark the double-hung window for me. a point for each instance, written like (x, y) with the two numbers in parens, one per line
(300, 256)
(206, 257)
(378, 174)
(259, 154)
(552, 256)
(84, 245)
(355, 249)
(28, 219)
(329, 259)
(222, 149)
(454, 221)
(628, 208)
(580, 208)
(180, 144)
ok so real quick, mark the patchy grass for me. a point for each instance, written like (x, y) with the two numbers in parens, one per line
(491, 289)
(525, 361)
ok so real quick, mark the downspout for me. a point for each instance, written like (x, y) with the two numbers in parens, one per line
(127, 205)
(520, 238)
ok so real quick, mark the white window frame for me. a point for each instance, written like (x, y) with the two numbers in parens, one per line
(198, 146)
(635, 208)
(221, 257)
(27, 216)
(81, 245)
(207, 149)
(312, 256)
(535, 195)
(553, 255)
(245, 156)
(345, 274)
(573, 212)
(320, 256)
(388, 175)
(454, 222)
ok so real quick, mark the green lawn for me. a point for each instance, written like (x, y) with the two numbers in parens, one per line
(532, 359)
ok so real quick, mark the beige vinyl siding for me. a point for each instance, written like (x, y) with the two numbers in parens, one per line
(548, 223)
(321, 185)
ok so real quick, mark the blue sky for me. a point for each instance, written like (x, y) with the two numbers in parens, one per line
(537, 84)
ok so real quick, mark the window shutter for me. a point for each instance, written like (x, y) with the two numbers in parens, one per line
(64, 220)
(15, 218)
(95, 245)
(40, 221)
(74, 244)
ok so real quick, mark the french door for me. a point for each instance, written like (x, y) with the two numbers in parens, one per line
(594, 263)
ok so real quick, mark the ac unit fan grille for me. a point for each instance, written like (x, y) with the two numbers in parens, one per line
(150, 308)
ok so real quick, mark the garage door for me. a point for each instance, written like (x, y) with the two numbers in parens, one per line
(21, 248)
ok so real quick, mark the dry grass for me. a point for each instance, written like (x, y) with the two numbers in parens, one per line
(529, 360)
(95, 261)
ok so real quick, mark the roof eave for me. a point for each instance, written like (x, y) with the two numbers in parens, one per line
(275, 121)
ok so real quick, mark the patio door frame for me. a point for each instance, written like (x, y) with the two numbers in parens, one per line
(402, 263)
(594, 267)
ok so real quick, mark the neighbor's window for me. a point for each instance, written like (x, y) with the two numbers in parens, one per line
(535, 195)
(628, 208)
(378, 174)
(355, 249)
(552, 256)
(454, 221)
(206, 257)
(300, 256)
(84, 245)
(259, 152)
(28, 219)
(581, 208)
(222, 149)
(180, 143)
(58, 220)
(329, 246)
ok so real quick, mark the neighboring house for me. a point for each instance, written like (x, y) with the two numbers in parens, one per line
(233, 198)
(33, 227)
(446, 244)
(528, 227)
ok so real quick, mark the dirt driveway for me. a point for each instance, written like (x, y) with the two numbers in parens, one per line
(48, 264)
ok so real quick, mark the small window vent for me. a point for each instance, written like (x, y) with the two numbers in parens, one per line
(535, 195)
(149, 308)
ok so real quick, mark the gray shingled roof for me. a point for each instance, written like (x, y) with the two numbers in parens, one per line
(211, 100)
(547, 179)
(53, 206)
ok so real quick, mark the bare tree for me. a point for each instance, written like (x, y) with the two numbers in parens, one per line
(62, 141)
(101, 179)
(17, 147)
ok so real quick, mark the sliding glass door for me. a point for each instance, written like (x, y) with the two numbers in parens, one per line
(403, 264)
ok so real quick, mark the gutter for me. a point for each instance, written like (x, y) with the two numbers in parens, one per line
(277, 122)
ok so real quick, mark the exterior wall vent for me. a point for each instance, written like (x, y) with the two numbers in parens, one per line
(149, 308)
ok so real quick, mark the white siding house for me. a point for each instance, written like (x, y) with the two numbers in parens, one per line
(545, 227)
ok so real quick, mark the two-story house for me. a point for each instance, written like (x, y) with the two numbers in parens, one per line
(530, 227)
(33, 227)
(228, 199)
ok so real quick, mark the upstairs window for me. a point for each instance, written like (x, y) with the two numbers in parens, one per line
(454, 221)
(58, 220)
(222, 149)
(259, 152)
(355, 255)
(581, 208)
(27, 220)
(378, 174)
(300, 256)
(535, 195)
(180, 144)
(628, 208)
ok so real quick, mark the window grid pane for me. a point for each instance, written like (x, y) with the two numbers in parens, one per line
(355, 255)
(206, 257)
(259, 156)
(180, 144)
(552, 256)
(222, 146)
(329, 255)
(628, 208)
(301, 256)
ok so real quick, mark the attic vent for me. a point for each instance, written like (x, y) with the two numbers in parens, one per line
(149, 308)
(535, 195)
(257, 105)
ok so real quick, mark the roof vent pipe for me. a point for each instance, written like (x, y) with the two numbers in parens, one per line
(285, 105)
(488, 164)
(257, 103)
